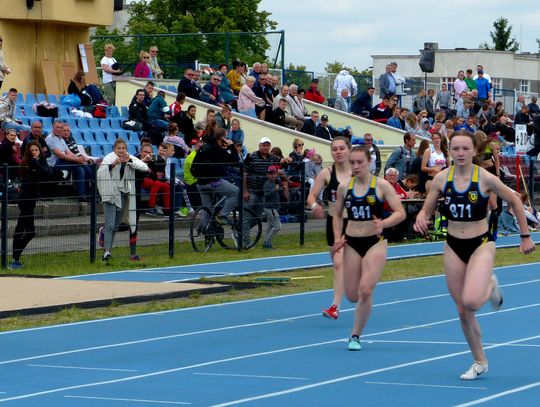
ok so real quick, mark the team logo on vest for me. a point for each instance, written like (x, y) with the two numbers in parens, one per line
(473, 196)
(348, 201)
(371, 199)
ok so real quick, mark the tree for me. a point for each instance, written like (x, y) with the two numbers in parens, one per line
(148, 17)
(298, 75)
(502, 37)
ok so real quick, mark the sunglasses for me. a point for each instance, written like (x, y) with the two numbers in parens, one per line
(146, 57)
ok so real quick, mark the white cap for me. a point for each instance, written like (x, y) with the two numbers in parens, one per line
(265, 140)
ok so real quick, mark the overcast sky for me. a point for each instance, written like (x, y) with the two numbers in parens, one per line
(350, 31)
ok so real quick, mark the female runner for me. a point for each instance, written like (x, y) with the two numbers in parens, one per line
(470, 251)
(329, 179)
(363, 196)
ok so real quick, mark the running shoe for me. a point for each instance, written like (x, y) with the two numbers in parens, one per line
(153, 212)
(475, 370)
(101, 238)
(354, 343)
(106, 256)
(332, 312)
(15, 265)
(134, 257)
(496, 298)
(183, 212)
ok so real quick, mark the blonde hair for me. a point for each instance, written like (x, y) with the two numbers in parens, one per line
(143, 53)
(108, 46)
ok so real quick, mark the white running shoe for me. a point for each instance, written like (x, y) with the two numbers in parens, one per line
(475, 370)
(496, 298)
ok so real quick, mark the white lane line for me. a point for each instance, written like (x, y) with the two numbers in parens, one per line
(206, 331)
(517, 345)
(428, 385)
(362, 374)
(250, 375)
(278, 351)
(131, 400)
(498, 395)
(83, 368)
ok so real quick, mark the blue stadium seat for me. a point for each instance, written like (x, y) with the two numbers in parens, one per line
(88, 137)
(47, 124)
(172, 88)
(110, 136)
(107, 148)
(93, 124)
(116, 124)
(132, 149)
(40, 97)
(53, 99)
(63, 112)
(20, 98)
(125, 111)
(114, 112)
(133, 138)
(100, 137)
(82, 123)
(77, 136)
(30, 99)
(105, 124)
(96, 151)
(72, 123)
(380, 142)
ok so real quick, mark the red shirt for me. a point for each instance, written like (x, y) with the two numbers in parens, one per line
(314, 95)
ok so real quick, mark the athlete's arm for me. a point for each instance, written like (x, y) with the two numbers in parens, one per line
(337, 221)
(321, 181)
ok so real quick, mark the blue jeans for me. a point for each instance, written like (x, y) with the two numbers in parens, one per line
(221, 188)
(82, 174)
(159, 124)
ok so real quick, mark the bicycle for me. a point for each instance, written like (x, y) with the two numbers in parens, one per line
(204, 229)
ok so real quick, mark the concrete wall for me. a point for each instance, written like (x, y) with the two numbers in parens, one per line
(52, 30)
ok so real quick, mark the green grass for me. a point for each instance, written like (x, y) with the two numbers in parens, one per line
(395, 270)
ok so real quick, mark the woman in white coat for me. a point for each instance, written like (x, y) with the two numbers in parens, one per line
(116, 185)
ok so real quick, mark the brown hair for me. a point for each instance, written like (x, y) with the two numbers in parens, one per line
(344, 139)
(362, 149)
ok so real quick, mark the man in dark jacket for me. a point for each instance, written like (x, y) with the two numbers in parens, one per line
(277, 116)
(138, 111)
(188, 86)
(310, 126)
(324, 130)
(363, 104)
(186, 125)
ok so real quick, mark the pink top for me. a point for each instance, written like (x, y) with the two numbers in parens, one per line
(142, 70)
(247, 99)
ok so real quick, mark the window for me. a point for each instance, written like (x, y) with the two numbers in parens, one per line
(449, 81)
(524, 86)
(497, 85)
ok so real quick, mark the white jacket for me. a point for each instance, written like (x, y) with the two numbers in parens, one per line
(344, 80)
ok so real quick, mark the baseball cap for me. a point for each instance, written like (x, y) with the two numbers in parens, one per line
(265, 140)
(315, 80)
(324, 117)
(273, 168)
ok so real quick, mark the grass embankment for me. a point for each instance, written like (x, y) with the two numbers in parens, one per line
(395, 270)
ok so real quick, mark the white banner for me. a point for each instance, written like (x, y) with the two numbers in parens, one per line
(522, 139)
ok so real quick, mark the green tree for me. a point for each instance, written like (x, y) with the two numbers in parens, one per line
(149, 17)
(298, 75)
(502, 37)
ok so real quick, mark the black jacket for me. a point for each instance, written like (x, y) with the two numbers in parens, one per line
(189, 88)
(212, 159)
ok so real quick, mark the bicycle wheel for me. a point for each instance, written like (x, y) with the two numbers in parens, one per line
(229, 239)
(200, 232)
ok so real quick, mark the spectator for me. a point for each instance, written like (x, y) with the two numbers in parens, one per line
(296, 159)
(143, 68)
(423, 130)
(444, 98)
(223, 118)
(519, 104)
(175, 108)
(395, 121)
(275, 86)
(190, 182)
(271, 206)
(505, 128)
(209, 119)
(36, 176)
(324, 131)
(363, 104)
(382, 112)
(411, 123)
(188, 86)
(465, 110)
(375, 163)
(481, 68)
(313, 94)
(210, 163)
(487, 112)
(62, 158)
(187, 124)
(483, 86)
(212, 93)
(247, 100)
(277, 116)
(155, 183)
(261, 90)
(398, 79)
(74, 148)
(469, 80)
(460, 86)
(157, 72)
(116, 185)
(255, 71)
(255, 169)
(419, 102)
(533, 107)
(36, 134)
(387, 83)
(310, 125)
(522, 116)
(297, 109)
(138, 111)
(109, 67)
(4, 69)
(77, 87)
(341, 101)
(148, 94)
(9, 152)
(158, 112)
(8, 104)
(402, 157)
(181, 149)
(236, 134)
(290, 120)
(236, 79)
(300, 98)
(181, 196)
(225, 85)
(344, 80)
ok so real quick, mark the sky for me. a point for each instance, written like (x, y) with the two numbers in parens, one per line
(350, 31)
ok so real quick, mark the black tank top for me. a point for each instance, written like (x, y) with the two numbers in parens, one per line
(366, 207)
(469, 205)
(331, 189)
